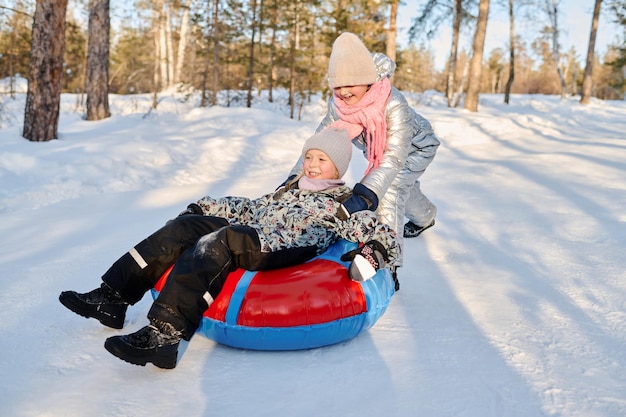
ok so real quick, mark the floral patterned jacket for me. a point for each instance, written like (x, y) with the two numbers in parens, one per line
(297, 218)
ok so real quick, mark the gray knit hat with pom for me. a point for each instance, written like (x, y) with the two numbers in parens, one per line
(335, 143)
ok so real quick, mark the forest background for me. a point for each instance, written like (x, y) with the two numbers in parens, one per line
(232, 49)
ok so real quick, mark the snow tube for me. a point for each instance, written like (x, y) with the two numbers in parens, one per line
(301, 307)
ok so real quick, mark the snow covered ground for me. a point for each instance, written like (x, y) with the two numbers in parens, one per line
(512, 305)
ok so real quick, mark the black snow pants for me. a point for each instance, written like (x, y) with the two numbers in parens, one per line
(203, 250)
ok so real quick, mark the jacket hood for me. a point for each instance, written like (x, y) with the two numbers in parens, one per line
(385, 67)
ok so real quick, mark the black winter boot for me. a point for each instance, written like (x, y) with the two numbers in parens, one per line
(103, 304)
(413, 230)
(156, 343)
(394, 274)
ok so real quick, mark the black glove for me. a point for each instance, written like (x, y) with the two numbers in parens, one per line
(362, 198)
(366, 260)
(192, 208)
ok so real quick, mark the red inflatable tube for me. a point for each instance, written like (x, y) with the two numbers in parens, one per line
(300, 307)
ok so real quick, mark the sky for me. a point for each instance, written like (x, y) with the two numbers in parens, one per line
(575, 23)
(513, 305)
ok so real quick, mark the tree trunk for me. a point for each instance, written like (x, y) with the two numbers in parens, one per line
(251, 57)
(205, 77)
(473, 87)
(156, 29)
(587, 78)
(461, 87)
(341, 19)
(393, 30)
(260, 45)
(167, 24)
(270, 75)
(43, 98)
(97, 84)
(15, 31)
(553, 14)
(163, 53)
(509, 83)
(216, 52)
(456, 28)
(295, 33)
(182, 43)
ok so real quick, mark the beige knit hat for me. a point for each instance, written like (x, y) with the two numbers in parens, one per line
(335, 143)
(350, 63)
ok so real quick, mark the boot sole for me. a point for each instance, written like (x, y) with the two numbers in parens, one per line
(164, 358)
(411, 235)
(69, 300)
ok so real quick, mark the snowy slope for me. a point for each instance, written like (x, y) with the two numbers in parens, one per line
(512, 305)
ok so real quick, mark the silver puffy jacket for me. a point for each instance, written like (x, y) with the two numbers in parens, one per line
(411, 146)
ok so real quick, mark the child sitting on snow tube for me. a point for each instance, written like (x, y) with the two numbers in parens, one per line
(214, 237)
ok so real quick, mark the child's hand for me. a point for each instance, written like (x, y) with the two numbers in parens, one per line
(192, 208)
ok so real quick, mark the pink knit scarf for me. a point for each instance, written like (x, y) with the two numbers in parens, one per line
(368, 114)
